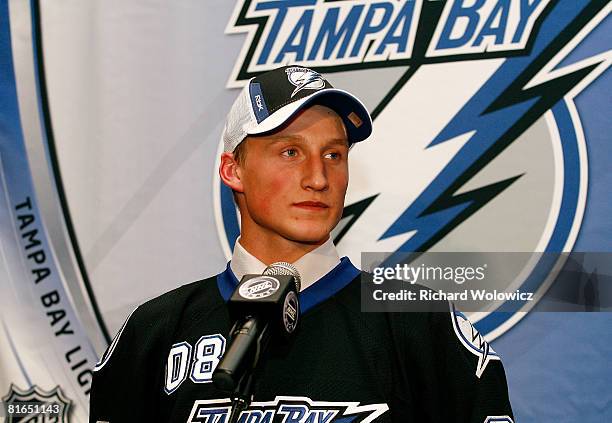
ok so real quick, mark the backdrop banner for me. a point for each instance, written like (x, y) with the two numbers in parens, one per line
(491, 136)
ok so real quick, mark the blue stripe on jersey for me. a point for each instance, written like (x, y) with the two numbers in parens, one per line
(227, 282)
(337, 278)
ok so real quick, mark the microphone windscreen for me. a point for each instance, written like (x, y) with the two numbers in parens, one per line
(284, 268)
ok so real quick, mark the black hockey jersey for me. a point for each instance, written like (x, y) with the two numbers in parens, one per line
(344, 366)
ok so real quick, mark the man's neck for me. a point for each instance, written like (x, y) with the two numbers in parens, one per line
(275, 249)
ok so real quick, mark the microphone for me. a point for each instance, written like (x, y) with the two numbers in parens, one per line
(284, 268)
(262, 306)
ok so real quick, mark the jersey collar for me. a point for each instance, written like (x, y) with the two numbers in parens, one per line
(311, 266)
(322, 289)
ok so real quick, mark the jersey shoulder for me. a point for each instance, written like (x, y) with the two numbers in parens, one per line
(169, 304)
(429, 328)
(151, 324)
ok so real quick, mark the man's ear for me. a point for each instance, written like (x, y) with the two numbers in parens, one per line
(229, 171)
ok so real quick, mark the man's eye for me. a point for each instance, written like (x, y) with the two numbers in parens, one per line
(291, 152)
(333, 156)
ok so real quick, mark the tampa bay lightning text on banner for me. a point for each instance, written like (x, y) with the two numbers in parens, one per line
(358, 34)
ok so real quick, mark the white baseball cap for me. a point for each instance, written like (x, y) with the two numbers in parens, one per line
(273, 98)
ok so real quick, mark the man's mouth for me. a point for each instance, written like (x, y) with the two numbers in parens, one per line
(311, 205)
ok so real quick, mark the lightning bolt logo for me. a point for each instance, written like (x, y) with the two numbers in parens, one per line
(304, 78)
(445, 155)
(514, 97)
(472, 340)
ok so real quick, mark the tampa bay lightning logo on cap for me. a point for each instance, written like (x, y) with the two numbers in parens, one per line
(303, 78)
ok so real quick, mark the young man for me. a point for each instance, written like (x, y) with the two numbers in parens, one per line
(287, 140)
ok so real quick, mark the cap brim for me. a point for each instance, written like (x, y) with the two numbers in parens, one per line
(351, 110)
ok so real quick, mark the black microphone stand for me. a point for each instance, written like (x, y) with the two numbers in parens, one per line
(242, 391)
(241, 398)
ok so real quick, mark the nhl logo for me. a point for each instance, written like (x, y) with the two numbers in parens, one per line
(36, 404)
(290, 312)
(259, 287)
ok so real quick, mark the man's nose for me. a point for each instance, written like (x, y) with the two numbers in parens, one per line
(315, 174)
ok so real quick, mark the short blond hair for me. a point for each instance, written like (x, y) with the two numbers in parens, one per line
(240, 152)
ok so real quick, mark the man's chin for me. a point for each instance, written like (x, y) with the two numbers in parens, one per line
(308, 237)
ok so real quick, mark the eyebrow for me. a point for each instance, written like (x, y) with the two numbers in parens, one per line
(287, 138)
(298, 138)
(342, 141)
